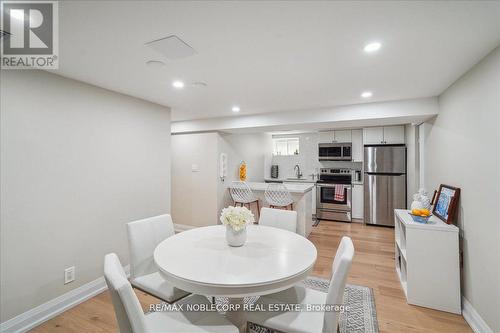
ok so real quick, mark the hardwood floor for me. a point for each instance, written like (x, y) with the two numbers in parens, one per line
(373, 266)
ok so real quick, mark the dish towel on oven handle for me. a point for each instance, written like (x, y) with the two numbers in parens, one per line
(339, 192)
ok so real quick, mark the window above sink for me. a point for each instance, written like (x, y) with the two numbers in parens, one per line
(286, 146)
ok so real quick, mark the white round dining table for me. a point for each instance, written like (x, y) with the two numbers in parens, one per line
(201, 262)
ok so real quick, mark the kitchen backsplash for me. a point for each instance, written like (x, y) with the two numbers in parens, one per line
(307, 158)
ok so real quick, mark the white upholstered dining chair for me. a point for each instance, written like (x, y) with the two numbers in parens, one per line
(131, 318)
(143, 237)
(309, 322)
(279, 218)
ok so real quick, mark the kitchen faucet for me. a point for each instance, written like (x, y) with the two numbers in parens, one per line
(296, 168)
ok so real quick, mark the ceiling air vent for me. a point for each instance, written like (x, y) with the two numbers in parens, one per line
(172, 47)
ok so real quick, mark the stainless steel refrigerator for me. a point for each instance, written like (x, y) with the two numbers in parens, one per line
(384, 183)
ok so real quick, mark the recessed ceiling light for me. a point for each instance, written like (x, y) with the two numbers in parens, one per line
(235, 108)
(372, 47)
(367, 94)
(178, 84)
(155, 63)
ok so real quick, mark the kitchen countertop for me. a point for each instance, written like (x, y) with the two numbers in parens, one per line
(298, 188)
(302, 180)
(292, 180)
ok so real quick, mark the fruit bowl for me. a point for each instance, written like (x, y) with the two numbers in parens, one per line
(420, 218)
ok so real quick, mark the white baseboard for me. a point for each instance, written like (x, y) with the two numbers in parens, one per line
(473, 318)
(36, 316)
(182, 227)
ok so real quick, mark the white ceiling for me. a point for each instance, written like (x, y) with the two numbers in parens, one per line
(275, 56)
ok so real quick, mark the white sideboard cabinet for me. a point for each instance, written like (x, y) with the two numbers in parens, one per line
(427, 262)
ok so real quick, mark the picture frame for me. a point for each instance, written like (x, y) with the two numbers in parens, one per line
(445, 202)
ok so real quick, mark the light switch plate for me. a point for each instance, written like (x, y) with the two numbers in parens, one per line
(69, 274)
(195, 168)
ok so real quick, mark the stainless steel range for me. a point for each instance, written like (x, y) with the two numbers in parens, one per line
(333, 195)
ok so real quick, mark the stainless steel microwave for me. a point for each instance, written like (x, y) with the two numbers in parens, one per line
(335, 151)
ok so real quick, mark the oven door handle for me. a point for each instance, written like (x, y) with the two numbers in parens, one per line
(333, 185)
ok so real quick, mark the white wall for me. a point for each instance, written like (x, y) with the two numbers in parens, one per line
(350, 116)
(194, 193)
(77, 163)
(463, 149)
(251, 148)
(307, 158)
(254, 149)
(412, 162)
(423, 132)
(198, 197)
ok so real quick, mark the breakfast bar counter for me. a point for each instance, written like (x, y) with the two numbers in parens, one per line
(298, 188)
(302, 202)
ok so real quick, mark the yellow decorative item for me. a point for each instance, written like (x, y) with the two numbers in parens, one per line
(425, 212)
(416, 211)
(243, 171)
(421, 212)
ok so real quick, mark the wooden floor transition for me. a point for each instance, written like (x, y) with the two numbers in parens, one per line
(373, 266)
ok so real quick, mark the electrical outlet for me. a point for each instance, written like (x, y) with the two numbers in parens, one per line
(69, 274)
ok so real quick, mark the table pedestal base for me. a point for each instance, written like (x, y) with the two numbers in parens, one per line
(236, 315)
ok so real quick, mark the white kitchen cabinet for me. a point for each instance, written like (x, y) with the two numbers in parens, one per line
(373, 135)
(313, 192)
(326, 137)
(335, 136)
(342, 136)
(384, 135)
(394, 134)
(357, 145)
(357, 201)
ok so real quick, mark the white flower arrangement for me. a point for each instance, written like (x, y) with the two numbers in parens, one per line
(236, 217)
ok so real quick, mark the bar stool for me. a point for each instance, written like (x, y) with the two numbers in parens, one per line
(243, 195)
(278, 196)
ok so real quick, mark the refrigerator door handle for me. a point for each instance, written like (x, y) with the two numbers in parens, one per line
(385, 173)
(373, 202)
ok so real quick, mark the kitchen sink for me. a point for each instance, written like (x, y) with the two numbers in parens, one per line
(302, 179)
